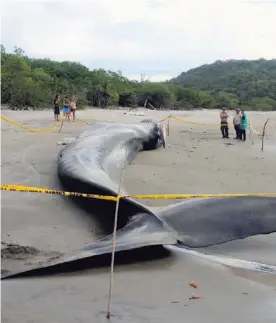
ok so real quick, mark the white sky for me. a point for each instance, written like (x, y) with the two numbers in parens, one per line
(161, 38)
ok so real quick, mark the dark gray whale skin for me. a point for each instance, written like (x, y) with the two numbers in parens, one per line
(92, 164)
(206, 222)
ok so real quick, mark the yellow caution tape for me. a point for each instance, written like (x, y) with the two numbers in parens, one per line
(191, 196)
(164, 119)
(212, 124)
(86, 122)
(52, 129)
(55, 126)
(196, 123)
(31, 189)
(201, 124)
(256, 132)
(22, 188)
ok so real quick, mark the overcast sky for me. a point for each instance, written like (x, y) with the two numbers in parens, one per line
(161, 38)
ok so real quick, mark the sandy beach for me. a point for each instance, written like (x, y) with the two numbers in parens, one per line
(196, 160)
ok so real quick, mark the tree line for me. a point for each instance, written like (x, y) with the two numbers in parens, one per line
(251, 82)
(33, 83)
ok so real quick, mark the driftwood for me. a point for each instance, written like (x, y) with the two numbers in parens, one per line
(151, 106)
(263, 134)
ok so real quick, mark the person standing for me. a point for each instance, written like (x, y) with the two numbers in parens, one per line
(243, 125)
(236, 123)
(73, 107)
(56, 107)
(66, 109)
(224, 123)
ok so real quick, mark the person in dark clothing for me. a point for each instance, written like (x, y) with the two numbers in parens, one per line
(243, 134)
(236, 123)
(56, 107)
(224, 124)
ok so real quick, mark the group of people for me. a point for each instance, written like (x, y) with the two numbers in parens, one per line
(69, 108)
(240, 123)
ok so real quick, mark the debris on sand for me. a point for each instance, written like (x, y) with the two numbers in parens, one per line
(193, 284)
(66, 141)
(196, 297)
(12, 250)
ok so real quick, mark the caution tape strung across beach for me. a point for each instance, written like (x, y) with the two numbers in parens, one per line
(57, 124)
(85, 122)
(200, 123)
(212, 124)
(254, 130)
(41, 190)
(31, 189)
(51, 129)
(164, 119)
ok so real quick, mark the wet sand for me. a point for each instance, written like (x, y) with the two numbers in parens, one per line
(197, 160)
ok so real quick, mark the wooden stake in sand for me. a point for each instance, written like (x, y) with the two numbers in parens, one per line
(145, 104)
(263, 135)
(250, 134)
(61, 125)
(108, 314)
(168, 126)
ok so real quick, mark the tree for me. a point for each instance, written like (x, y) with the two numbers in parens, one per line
(246, 79)
(28, 82)
(19, 51)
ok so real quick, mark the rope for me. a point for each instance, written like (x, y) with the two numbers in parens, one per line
(114, 246)
(52, 129)
(31, 189)
(201, 124)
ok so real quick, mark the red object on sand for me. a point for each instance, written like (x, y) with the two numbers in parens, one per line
(193, 284)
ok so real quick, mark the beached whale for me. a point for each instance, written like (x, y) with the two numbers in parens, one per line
(93, 163)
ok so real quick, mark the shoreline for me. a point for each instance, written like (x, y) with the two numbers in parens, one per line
(196, 160)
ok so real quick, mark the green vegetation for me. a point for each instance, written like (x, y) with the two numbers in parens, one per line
(248, 83)
(28, 82)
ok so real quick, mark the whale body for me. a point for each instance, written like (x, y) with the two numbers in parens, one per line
(93, 163)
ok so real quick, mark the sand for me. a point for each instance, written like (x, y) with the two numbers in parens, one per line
(197, 160)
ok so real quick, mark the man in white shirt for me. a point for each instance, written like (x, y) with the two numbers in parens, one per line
(236, 123)
(224, 123)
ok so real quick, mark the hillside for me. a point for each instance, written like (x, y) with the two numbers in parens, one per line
(33, 83)
(245, 79)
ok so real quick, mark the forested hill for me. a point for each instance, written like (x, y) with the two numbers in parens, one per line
(243, 78)
(32, 83)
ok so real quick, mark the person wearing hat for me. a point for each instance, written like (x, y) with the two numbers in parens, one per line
(237, 123)
(224, 123)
